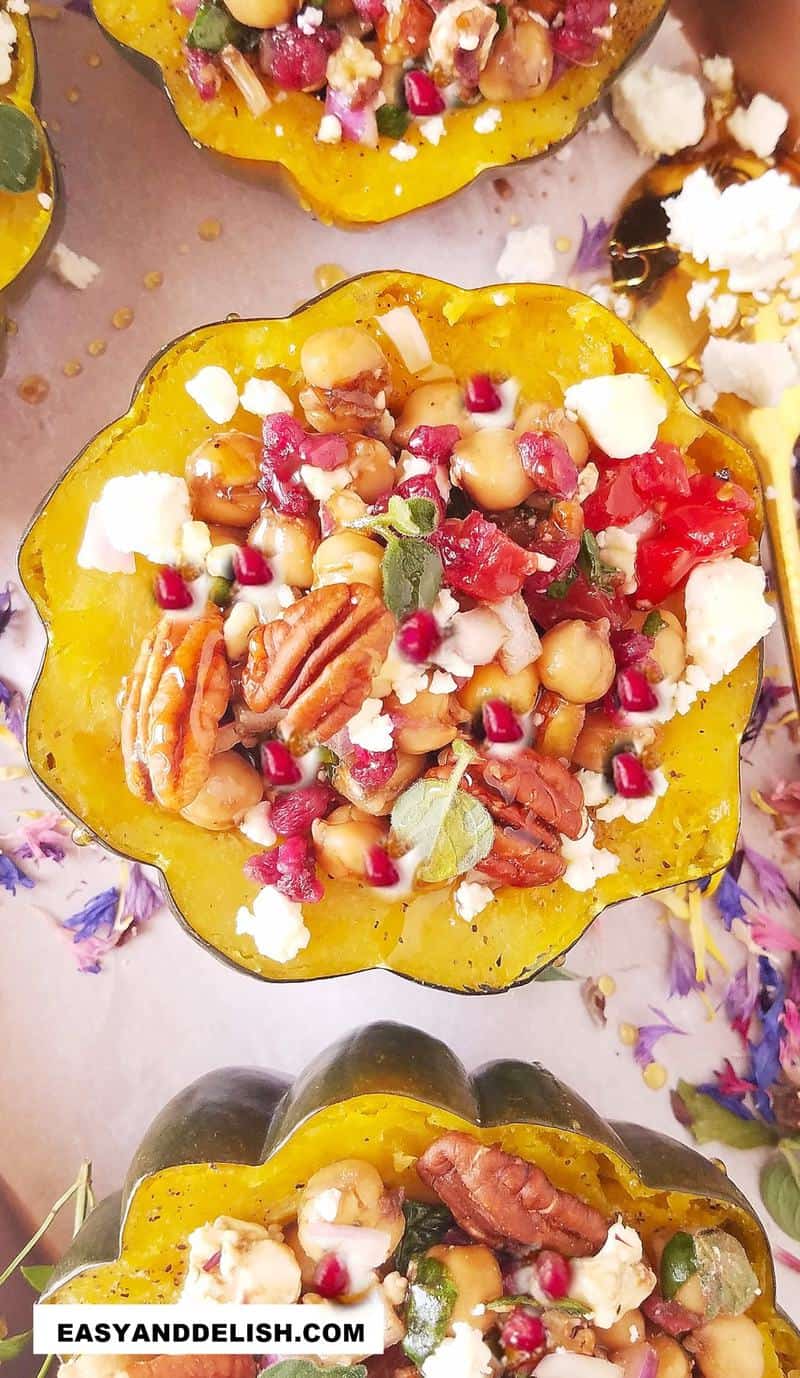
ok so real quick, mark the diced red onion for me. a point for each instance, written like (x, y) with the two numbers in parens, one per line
(358, 126)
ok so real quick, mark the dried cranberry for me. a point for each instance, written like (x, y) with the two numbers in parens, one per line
(369, 10)
(554, 1274)
(290, 867)
(588, 602)
(547, 461)
(435, 443)
(280, 458)
(292, 814)
(294, 60)
(418, 637)
(630, 647)
(423, 96)
(372, 770)
(630, 777)
(523, 1331)
(479, 560)
(481, 395)
(500, 722)
(331, 1278)
(379, 867)
(580, 35)
(661, 473)
(279, 765)
(423, 486)
(251, 566)
(171, 591)
(324, 451)
(634, 692)
(203, 72)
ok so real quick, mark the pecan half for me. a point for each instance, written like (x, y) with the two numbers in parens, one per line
(171, 709)
(506, 1202)
(318, 660)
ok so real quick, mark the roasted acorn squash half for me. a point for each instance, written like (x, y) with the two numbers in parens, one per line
(548, 337)
(27, 172)
(349, 184)
(242, 1142)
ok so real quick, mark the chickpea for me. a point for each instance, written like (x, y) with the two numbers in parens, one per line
(560, 728)
(434, 404)
(233, 787)
(290, 543)
(344, 507)
(476, 1274)
(338, 356)
(628, 1330)
(362, 1200)
(600, 736)
(631, 1358)
(222, 475)
(673, 1361)
(521, 61)
(577, 661)
(538, 417)
(380, 801)
(425, 724)
(669, 645)
(307, 1265)
(492, 682)
(323, 416)
(349, 557)
(371, 464)
(728, 1345)
(487, 466)
(263, 14)
(343, 839)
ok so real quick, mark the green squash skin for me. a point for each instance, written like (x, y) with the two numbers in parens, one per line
(240, 1115)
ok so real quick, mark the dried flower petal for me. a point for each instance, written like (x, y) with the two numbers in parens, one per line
(12, 877)
(592, 254)
(649, 1035)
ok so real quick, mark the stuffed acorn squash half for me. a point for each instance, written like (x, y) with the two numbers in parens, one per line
(409, 631)
(368, 109)
(27, 175)
(500, 1223)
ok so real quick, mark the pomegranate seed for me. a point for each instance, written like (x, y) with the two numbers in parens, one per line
(630, 777)
(171, 591)
(630, 647)
(292, 814)
(295, 61)
(634, 692)
(331, 1277)
(379, 867)
(554, 1274)
(372, 769)
(435, 443)
(500, 723)
(251, 566)
(522, 1330)
(423, 96)
(324, 451)
(482, 395)
(418, 637)
(547, 461)
(480, 560)
(278, 764)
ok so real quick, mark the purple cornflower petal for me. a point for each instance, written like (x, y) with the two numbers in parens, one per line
(769, 876)
(769, 696)
(40, 838)
(12, 709)
(95, 930)
(142, 898)
(731, 1103)
(591, 256)
(729, 896)
(741, 996)
(649, 1034)
(765, 1055)
(11, 877)
(682, 973)
(6, 608)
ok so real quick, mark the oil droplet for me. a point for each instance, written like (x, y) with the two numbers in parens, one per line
(72, 368)
(183, 248)
(153, 279)
(82, 837)
(96, 348)
(33, 389)
(12, 327)
(628, 1034)
(209, 229)
(563, 244)
(122, 317)
(93, 60)
(74, 95)
(607, 986)
(655, 1076)
(328, 274)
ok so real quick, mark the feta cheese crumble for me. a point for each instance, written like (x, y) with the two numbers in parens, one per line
(726, 614)
(662, 110)
(759, 127)
(330, 130)
(528, 255)
(408, 337)
(432, 130)
(471, 898)
(214, 390)
(275, 924)
(323, 483)
(622, 412)
(757, 371)
(618, 546)
(73, 269)
(251, 1265)
(635, 810)
(371, 728)
(586, 863)
(256, 824)
(615, 1280)
(144, 514)
(718, 72)
(262, 397)
(487, 121)
(403, 151)
(750, 229)
(464, 1354)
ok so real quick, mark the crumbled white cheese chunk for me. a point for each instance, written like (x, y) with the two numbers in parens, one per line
(471, 898)
(214, 390)
(400, 677)
(73, 269)
(195, 543)
(722, 311)
(309, 20)
(275, 924)
(787, 312)
(726, 614)
(586, 863)
(503, 418)
(240, 622)
(622, 412)
(445, 607)
(474, 638)
(699, 295)
(464, 1354)
(718, 72)
(256, 823)
(262, 397)
(442, 683)
(757, 371)
(403, 151)
(528, 255)
(408, 338)
(371, 728)
(145, 514)
(750, 229)
(18, 7)
(351, 67)
(323, 483)
(432, 130)
(702, 397)
(330, 130)
(487, 121)
(596, 789)
(588, 479)
(760, 126)
(241, 1262)
(8, 39)
(462, 26)
(615, 1280)
(635, 810)
(97, 552)
(618, 545)
(663, 111)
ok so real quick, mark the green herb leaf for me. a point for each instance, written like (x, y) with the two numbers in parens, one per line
(214, 28)
(392, 120)
(20, 150)
(425, 1225)
(306, 1368)
(780, 1187)
(728, 1282)
(653, 624)
(678, 1263)
(567, 1305)
(14, 1345)
(412, 575)
(591, 562)
(219, 591)
(712, 1123)
(38, 1275)
(403, 517)
(451, 830)
(431, 1298)
(555, 973)
(502, 16)
(561, 587)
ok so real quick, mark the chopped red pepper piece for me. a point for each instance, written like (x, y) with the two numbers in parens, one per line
(479, 560)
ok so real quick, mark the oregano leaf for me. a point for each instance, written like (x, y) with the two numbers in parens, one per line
(712, 1123)
(425, 1225)
(444, 825)
(780, 1190)
(412, 575)
(431, 1298)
